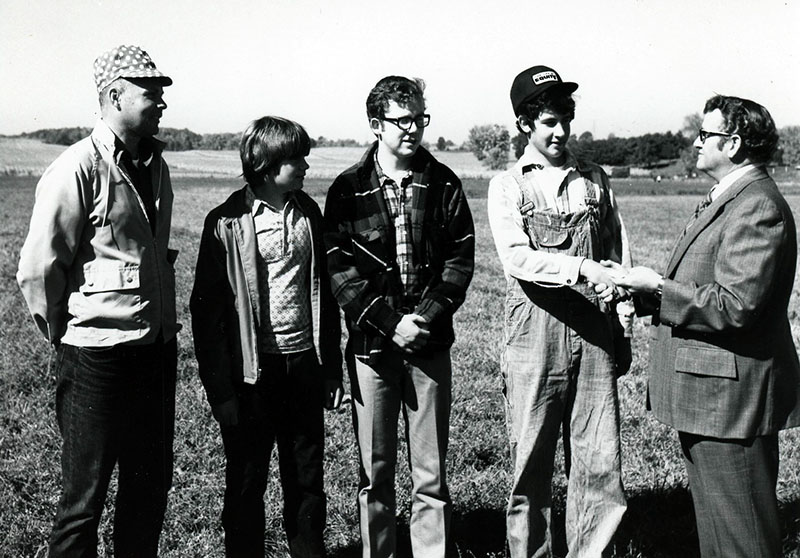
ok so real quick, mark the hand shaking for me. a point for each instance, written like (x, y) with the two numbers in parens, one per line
(636, 280)
(604, 277)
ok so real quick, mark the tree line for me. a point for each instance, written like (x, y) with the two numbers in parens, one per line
(176, 139)
(492, 144)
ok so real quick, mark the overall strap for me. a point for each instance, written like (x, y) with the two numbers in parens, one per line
(591, 196)
(529, 198)
(524, 204)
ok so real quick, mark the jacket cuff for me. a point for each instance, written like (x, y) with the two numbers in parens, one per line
(430, 309)
(213, 370)
(672, 295)
(570, 270)
(382, 317)
(220, 394)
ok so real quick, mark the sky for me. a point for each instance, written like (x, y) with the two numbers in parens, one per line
(642, 65)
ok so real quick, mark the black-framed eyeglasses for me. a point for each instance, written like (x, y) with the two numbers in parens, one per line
(705, 134)
(405, 122)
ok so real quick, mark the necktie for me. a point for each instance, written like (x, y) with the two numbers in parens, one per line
(704, 203)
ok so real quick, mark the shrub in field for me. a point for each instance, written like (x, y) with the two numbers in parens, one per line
(490, 143)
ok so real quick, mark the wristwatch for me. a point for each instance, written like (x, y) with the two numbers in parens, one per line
(660, 288)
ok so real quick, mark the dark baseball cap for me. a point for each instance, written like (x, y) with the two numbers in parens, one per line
(534, 81)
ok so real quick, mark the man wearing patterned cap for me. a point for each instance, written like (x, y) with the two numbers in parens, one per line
(98, 278)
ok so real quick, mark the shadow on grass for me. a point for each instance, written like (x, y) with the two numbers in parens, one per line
(790, 527)
(658, 524)
(661, 524)
(477, 533)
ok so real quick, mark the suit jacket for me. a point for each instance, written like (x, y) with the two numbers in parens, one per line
(723, 363)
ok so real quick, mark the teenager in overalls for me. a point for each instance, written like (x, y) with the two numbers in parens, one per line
(554, 218)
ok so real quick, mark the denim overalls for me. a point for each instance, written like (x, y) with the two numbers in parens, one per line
(558, 367)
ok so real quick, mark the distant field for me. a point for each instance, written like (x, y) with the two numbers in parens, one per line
(27, 157)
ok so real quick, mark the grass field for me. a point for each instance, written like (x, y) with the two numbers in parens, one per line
(659, 521)
(29, 157)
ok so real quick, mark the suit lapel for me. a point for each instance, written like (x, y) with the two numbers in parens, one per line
(708, 216)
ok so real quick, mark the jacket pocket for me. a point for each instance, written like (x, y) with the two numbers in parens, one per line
(101, 277)
(706, 361)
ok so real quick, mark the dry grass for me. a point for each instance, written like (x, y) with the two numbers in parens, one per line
(660, 520)
(29, 157)
(26, 157)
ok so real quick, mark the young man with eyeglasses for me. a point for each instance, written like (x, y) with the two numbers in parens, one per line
(723, 364)
(401, 245)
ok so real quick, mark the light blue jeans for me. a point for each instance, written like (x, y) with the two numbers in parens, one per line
(421, 387)
(558, 369)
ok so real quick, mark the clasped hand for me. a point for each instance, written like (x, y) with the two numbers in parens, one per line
(412, 333)
(636, 280)
(604, 277)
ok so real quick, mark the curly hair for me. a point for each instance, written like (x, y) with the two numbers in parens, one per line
(552, 101)
(269, 141)
(748, 120)
(399, 89)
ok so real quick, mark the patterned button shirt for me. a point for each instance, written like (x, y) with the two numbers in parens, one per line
(284, 257)
(399, 201)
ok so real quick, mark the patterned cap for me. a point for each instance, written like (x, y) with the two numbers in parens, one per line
(125, 61)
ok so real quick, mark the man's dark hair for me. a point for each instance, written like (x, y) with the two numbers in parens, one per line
(748, 120)
(399, 89)
(551, 101)
(267, 142)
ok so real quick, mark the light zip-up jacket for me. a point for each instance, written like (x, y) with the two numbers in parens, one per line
(226, 306)
(91, 270)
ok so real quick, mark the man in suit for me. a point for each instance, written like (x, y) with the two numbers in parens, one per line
(723, 367)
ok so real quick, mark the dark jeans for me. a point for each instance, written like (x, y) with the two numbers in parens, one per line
(286, 405)
(114, 406)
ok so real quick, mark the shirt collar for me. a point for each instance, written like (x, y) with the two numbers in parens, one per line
(527, 162)
(383, 177)
(728, 180)
(257, 205)
(106, 137)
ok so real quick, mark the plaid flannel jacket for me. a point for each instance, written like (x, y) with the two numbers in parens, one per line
(361, 249)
